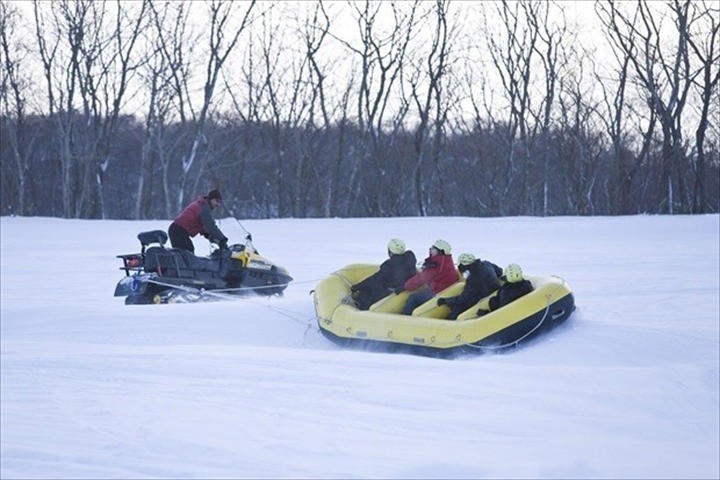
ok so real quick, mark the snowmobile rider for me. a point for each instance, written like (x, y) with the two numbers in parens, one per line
(197, 218)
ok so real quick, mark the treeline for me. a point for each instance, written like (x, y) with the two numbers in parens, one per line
(128, 110)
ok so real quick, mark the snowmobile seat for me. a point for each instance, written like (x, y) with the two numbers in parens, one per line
(153, 236)
(176, 262)
(201, 263)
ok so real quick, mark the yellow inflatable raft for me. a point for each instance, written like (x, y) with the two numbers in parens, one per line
(383, 327)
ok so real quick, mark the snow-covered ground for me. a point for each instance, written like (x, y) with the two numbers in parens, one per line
(628, 387)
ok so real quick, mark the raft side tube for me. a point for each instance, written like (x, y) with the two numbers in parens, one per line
(393, 303)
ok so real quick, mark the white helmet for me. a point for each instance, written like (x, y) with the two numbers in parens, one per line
(396, 246)
(443, 246)
(513, 273)
(466, 259)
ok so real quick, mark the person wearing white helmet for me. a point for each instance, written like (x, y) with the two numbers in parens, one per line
(481, 280)
(393, 272)
(515, 286)
(438, 272)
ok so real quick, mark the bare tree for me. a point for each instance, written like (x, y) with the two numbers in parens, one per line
(169, 74)
(577, 146)
(325, 173)
(283, 88)
(512, 49)
(481, 134)
(158, 74)
(552, 36)
(61, 90)
(220, 15)
(87, 64)
(614, 116)
(665, 75)
(13, 96)
(380, 54)
(706, 50)
(117, 65)
(435, 98)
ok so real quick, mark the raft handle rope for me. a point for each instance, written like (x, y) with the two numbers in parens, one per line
(542, 320)
(343, 301)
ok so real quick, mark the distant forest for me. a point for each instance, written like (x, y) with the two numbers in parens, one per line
(129, 110)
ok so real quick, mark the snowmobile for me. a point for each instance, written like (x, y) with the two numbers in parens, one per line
(171, 275)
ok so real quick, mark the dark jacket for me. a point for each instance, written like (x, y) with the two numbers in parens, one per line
(438, 272)
(510, 292)
(392, 275)
(197, 218)
(481, 281)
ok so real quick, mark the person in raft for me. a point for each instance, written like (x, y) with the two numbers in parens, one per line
(197, 218)
(515, 286)
(481, 279)
(393, 272)
(438, 272)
